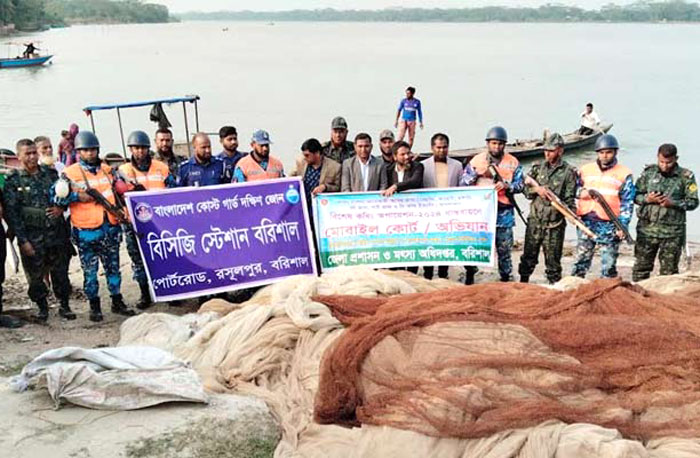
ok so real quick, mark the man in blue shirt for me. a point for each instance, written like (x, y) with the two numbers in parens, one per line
(202, 169)
(228, 136)
(411, 109)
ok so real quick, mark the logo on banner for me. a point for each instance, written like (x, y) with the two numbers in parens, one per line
(292, 196)
(144, 212)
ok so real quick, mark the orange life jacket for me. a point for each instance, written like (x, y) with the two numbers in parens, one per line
(253, 172)
(608, 183)
(506, 168)
(90, 215)
(154, 178)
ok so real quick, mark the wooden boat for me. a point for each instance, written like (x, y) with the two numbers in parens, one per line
(533, 147)
(19, 62)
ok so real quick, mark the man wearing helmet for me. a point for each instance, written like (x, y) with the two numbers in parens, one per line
(96, 230)
(615, 183)
(141, 173)
(478, 172)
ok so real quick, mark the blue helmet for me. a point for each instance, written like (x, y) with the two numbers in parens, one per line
(86, 140)
(497, 133)
(138, 138)
(606, 141)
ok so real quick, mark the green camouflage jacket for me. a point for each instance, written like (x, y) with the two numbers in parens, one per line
(26, 198)
(680, 186)
(347, 150)
(560, 179)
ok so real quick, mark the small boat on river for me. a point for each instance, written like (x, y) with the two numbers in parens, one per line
(17, 62)
(533, 147)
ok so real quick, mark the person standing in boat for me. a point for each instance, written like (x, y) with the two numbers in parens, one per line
(615, 183)
(412, 110)
(29, 50)
(258, 165)
(228, 136)
(590, 122)
(478, 172)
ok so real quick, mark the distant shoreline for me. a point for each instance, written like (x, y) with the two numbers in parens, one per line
(652, 12)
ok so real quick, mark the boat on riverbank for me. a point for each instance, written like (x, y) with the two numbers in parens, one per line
(532, 147)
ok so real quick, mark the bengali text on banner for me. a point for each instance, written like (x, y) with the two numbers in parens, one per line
(454, 226)
(199, 241)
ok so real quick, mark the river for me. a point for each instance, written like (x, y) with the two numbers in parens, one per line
(293, 78)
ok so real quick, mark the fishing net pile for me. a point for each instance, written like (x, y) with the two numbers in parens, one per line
(496, 370)
(471, 362)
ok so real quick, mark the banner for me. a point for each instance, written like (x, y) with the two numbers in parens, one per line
(453, 226)
(199, 241)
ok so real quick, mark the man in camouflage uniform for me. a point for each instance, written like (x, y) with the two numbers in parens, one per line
(42, 232)
(338, 148)
(545, 225)
(665, 192)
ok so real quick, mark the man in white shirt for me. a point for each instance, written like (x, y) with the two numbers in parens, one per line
(590, 121)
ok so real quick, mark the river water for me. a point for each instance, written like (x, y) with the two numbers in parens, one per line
(293, 78)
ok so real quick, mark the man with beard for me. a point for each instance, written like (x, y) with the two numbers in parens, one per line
(546, 226)
(258, 165)
(96, 231)
(386, 141)
(338, 148)
(665, 192)
(202, 169)
(41, 231)
(164, 151)
(228, 136)
(615, 183)
(142, 173)
(477, 172)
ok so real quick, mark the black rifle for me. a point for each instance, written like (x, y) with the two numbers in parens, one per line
(112, 209)
(497, 178)
(598, 197)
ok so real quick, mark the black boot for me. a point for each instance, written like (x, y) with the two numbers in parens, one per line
(95, 310)
(470, 272)
(65, 311)
(7, 321)
(43, 315)
(524, 279)
(145, 301)
(119, 307)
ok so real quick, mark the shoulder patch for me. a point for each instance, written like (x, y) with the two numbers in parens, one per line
(693, 187)
(649, 166)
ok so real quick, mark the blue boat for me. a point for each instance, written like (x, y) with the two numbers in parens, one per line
(22, 62)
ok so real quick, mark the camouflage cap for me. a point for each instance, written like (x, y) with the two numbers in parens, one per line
(386, 133)
(553, 142)
(339, 123)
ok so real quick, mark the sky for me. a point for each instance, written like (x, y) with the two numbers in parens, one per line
(178, 6)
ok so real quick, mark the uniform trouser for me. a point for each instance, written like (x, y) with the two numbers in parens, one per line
(551, 239)
(429, 271)
(504, 248)
(95, 245)
(3, 257)
(646, 249)
(585, 249)
(132, 247)
(51, 260)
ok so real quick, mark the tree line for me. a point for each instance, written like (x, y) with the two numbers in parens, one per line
(642, 11)
(37, 14)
